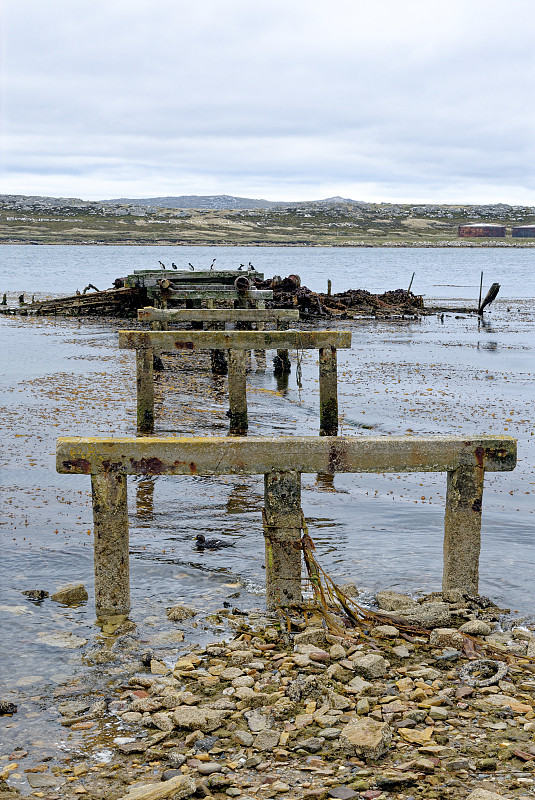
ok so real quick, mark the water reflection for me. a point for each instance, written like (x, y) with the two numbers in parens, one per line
(145, 499)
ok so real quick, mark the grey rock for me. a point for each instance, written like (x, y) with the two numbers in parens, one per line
(392, 601)
(180, 613)
(73, 707)
(314, 636)
(196, 718)
(476, 627)
(42, 780)
(243, 737)
(427, 615)
(313, 744)
(175, 759)
(71, 594)
(257, 721)
(209, 767)
(370, 666)
(369, 737)
(266, 740)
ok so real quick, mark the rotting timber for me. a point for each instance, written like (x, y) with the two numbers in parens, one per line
(174, 289)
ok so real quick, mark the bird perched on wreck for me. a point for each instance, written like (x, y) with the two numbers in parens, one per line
(174, 265)
(161, 264)
(251, 267)
(241, 267)
(202, 543)
(212, 264)
(192, 268)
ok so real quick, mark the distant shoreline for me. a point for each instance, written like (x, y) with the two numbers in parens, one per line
(393, 245)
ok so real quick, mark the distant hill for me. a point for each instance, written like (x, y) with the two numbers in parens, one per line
(223, 202)
(212, 202)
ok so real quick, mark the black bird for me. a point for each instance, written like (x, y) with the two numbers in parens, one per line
(161, 264)
(241, 267)
(251, 267)
(191, 266)
(174, 266)
(201, 543)
(212, 264)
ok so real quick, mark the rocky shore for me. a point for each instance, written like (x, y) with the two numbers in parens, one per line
(283, 708)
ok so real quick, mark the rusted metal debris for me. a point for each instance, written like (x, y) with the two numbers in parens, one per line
(125, 298)
(288, 293)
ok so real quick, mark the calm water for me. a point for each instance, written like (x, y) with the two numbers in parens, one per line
(65, 377)
(445, 272)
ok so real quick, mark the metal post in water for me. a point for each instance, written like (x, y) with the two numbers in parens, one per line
(282, 532)
(110, 518)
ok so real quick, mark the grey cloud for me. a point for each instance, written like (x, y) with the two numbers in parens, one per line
(399, 96)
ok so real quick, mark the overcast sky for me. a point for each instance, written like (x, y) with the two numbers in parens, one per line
(378, 100)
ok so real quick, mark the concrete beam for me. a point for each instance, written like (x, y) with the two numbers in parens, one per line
(212, 294)
(219, 455)
(151, 314)
(168, 341)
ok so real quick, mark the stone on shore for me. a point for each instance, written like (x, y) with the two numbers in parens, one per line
(174, 789)
(369, 737)
(392, 601)
(180, 613)
(70, 595)
(484, 794)
(476, 627)
(370, 666)
(426, 615)
(194, 718)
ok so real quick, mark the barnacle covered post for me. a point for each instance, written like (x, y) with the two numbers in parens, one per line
(282, 532)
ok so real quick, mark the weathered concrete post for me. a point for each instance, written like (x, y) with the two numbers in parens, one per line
(260, 355)
(237, 392)
(462, 529)
(282, 532)
(145, 391)
(110, 518)
(281, 363)
(328, 392)
(217, 357)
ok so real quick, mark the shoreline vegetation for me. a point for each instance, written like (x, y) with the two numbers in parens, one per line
(328, 223)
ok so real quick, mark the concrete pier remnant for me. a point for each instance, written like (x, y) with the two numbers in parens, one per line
(156, 342)
(110, 521)
(282, 533)
(281, 459)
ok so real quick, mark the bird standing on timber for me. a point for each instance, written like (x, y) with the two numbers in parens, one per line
(212, 264)
(192, 268)
(251, 267)
(174, 265)
(202, 543)
(161, 264)
(241, 267)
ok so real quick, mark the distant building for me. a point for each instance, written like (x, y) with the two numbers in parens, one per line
(473, 229)
(524, 231)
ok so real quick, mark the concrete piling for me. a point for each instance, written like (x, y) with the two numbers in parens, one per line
(145, 390)
(281, 363)
(110, 520)
(237, 392)
(282, 532)
(462, 528)
(328, 391)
